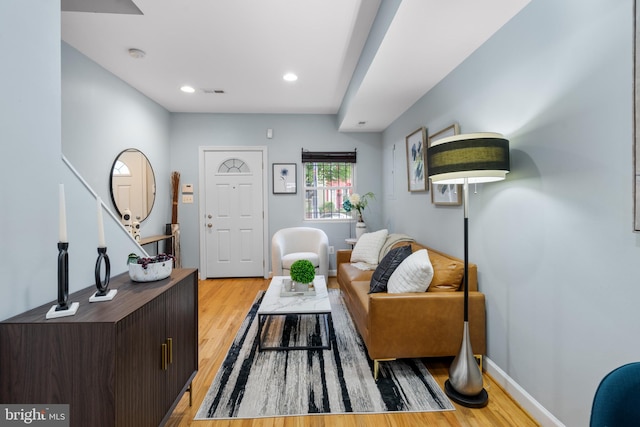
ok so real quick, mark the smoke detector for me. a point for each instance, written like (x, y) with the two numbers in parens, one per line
(137, 53)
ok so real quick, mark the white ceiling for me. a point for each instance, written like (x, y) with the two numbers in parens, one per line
(244, 47)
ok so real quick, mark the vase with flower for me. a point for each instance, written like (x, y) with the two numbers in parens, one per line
(356, 202)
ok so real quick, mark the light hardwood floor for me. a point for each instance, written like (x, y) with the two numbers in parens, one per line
(223, 304)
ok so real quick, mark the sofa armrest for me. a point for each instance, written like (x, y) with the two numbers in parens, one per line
(423, 324)
(343, 256)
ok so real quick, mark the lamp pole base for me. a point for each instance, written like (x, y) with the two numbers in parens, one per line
(480, 400)
(465, 383)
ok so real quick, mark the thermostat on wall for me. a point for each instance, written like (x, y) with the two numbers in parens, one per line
(187, 189)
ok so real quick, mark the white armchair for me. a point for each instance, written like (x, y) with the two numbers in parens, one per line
(291, 244)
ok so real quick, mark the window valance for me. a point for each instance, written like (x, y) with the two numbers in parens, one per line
(328, 156)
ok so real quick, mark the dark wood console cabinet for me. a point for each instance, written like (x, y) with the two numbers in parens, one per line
(122, 363)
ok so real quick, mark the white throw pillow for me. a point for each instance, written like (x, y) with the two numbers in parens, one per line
(368, 246)
(414, 274)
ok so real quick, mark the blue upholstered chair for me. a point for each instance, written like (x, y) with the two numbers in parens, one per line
(617, 399)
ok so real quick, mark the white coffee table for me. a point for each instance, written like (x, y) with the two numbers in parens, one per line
(275, 305)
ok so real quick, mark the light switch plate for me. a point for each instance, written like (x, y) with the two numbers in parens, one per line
(187, 188)
(187, 198)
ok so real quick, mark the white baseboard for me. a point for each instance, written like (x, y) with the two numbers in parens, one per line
(532, 406)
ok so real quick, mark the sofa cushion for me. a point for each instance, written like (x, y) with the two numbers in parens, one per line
(387, 266)
(368, 246)
(447, 273)
(414, 274)
(348, 273)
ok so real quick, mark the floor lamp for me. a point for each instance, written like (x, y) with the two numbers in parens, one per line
(467, 159)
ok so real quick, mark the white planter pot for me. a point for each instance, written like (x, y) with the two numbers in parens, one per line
(361, 228)
(153, 272)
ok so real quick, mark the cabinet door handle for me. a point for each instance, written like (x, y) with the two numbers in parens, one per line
(164, 357)
(170, 349)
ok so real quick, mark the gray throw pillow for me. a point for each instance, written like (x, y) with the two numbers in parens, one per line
(386, 267)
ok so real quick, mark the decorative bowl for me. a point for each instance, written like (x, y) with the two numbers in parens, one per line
(154, 271)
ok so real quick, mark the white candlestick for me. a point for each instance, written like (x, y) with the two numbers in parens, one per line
(62, 217)
(101, 241)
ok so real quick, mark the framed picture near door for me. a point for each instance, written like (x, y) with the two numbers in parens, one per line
(446, 194)
(285, 178)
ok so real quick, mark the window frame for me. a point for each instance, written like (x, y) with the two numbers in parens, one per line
(346, 189)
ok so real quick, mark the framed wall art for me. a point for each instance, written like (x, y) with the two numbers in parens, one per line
(417, 160)
(446, 194)
(285, 178)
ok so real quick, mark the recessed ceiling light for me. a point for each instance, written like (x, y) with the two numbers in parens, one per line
(290, 77)
(187, 89)
(136, 53)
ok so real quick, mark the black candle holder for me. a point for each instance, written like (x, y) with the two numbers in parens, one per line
(63, 276)
(63, 308)
(103, 293)
(102, 285)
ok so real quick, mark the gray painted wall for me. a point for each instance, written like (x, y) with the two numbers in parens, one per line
(30, 139)
(291, 133)
(554, 243)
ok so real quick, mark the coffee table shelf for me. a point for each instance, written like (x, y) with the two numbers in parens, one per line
(273, 304)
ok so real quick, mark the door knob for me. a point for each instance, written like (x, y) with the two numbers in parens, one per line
(209, 225)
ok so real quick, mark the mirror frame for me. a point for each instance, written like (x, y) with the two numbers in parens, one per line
(153, 173)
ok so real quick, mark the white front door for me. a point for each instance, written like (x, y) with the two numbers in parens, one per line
(233, 217)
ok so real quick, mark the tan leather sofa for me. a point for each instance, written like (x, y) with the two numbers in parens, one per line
(408, 325)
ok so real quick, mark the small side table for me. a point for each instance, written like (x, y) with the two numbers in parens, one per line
(351, 241)
(168, 240)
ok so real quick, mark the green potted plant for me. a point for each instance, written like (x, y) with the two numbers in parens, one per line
(302, 271)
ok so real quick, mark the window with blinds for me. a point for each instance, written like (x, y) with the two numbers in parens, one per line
(328, 180)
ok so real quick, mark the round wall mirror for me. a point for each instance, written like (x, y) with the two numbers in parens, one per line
(133, 184)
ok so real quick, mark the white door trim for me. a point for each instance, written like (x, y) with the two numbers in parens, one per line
(201, 206)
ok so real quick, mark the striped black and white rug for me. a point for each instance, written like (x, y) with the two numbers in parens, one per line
(252, 384)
